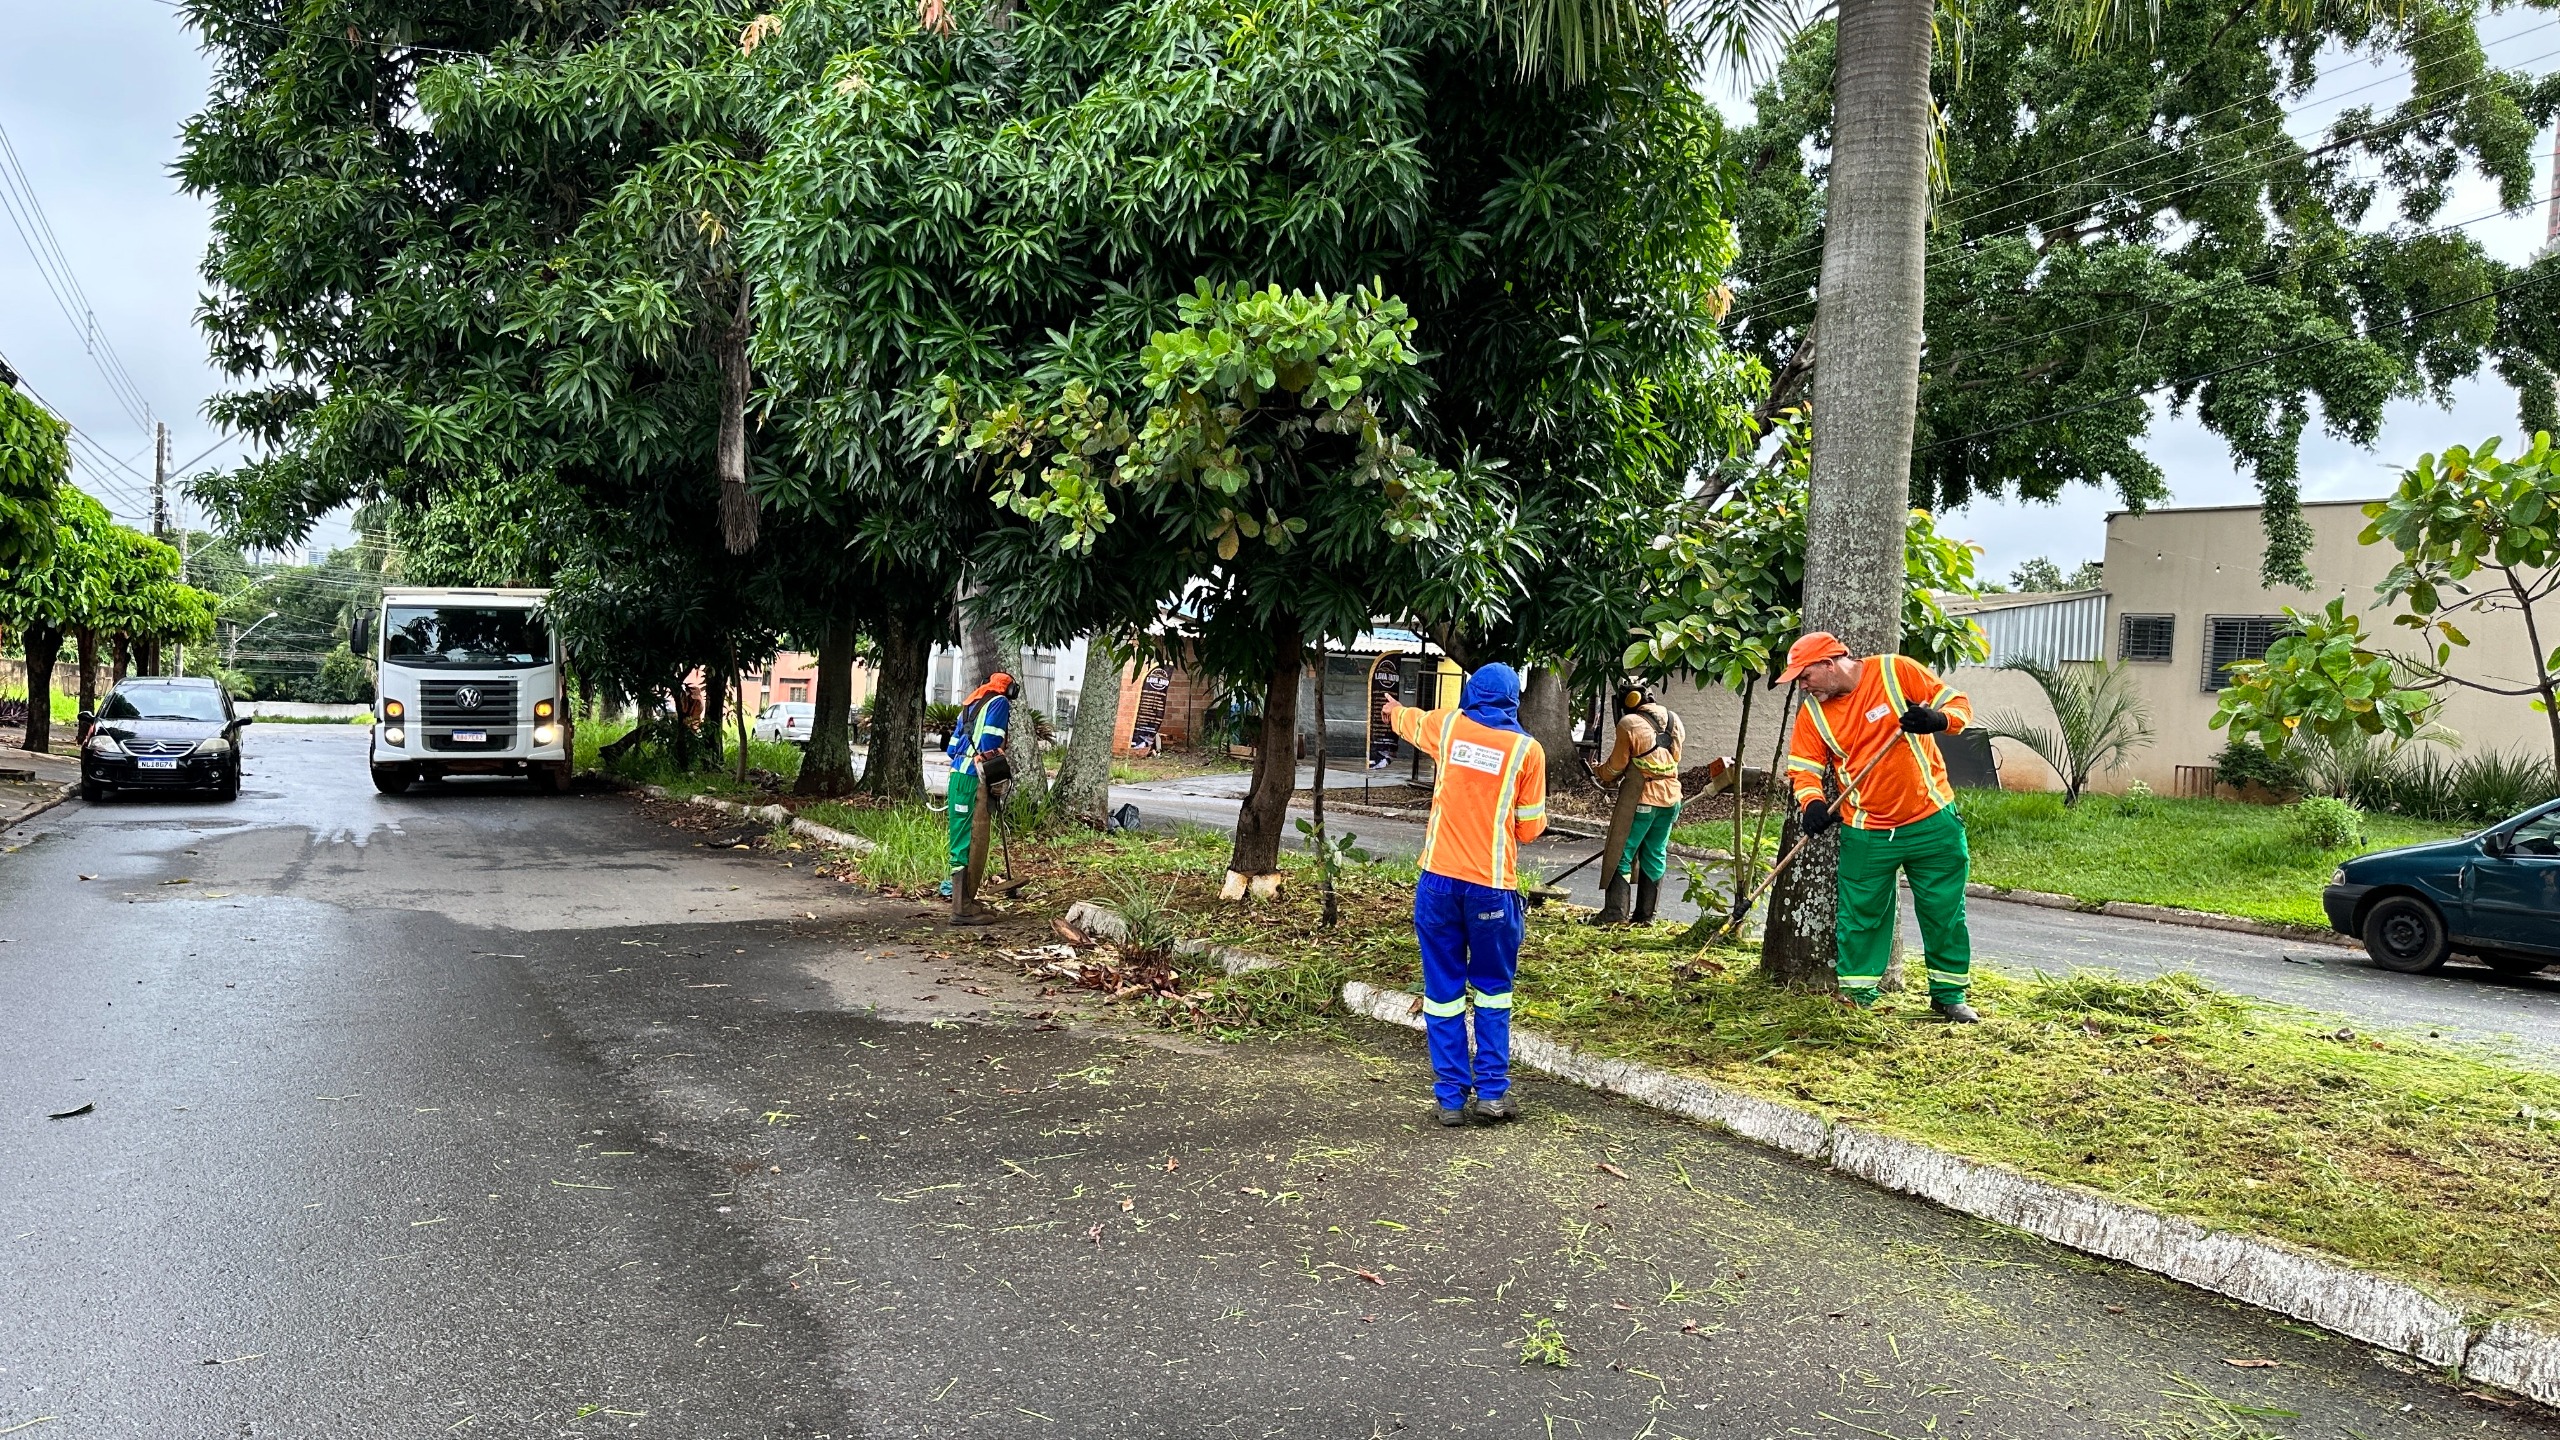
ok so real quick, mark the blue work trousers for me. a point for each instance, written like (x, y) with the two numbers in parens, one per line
(1470, 936)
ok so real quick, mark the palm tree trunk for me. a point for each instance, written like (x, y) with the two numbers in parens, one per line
(1866, 383)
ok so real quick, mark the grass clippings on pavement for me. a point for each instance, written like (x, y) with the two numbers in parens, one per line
(2431, 1161)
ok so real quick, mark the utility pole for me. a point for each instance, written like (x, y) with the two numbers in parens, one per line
(159, 481)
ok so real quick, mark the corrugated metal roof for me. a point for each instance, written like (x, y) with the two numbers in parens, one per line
(2047, 629)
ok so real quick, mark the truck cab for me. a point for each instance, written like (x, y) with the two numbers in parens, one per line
(466, 682)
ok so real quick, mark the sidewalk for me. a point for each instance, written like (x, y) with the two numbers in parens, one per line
(31, 784)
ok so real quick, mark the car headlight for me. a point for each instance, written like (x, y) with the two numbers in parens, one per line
(394, 735)
(545, 734)
(215, 745)
(2338, 876)
(103, 743)
(393, 710)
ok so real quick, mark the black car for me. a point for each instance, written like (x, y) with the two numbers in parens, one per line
(2494, 894)
(162, 733)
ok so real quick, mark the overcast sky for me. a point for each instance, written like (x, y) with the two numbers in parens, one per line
(92, 95)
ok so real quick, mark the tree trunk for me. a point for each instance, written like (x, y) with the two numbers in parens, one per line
(1546, 712)
(737, 502)
(1083, 790)
(896, 771)
(714, 713)
(122, 648)
(85, 640)
(44, 647)
(146, 655)
(982, 651)
(1254, 866)
(1865, 386)
(826, 766)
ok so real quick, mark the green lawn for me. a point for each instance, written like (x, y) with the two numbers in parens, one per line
(2216, 855)
(2423, 1159)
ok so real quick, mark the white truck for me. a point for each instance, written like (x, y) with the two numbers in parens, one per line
(466, 682)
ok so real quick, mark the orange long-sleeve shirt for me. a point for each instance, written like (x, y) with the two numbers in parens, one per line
(1847, 734)
(1489, 799)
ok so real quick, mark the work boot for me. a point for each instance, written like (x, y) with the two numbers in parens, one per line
(1648, 899)
(1496, 1110)
(964, 901)
(1449, 1117)
(1613, 903)
(1955, 1012)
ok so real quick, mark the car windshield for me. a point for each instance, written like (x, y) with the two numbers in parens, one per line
(464, 636)
(162, 702)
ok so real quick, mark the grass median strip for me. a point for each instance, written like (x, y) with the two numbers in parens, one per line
(2429, 1161)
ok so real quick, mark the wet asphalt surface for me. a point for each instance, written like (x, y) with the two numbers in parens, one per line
(2515, 1014)
(482, 1113)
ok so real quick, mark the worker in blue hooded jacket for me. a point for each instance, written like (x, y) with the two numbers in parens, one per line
(1488, 799)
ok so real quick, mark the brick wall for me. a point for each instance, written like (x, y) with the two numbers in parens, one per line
(1191, 697)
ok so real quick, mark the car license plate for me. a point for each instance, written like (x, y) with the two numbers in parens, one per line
(156, 764)
(471, 737)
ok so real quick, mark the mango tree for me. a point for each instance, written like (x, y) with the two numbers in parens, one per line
(56, 598)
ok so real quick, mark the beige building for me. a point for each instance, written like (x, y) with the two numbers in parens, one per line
(2185, 601)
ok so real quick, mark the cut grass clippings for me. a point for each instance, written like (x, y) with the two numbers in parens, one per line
(910, 845)
(2430, 1161)
(2221, 856)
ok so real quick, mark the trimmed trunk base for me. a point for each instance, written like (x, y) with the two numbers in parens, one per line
(1253, 868)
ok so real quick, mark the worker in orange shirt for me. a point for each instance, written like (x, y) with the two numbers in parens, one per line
(1488, 799)
(1899, 817)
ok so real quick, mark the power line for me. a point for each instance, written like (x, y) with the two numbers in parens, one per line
(35, 229)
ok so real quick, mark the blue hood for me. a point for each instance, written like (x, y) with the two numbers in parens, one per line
(1492, 698)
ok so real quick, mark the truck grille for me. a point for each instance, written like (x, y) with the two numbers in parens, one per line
(445, 706)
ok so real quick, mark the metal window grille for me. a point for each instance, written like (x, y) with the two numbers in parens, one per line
(2229, 639)
(2146, 638)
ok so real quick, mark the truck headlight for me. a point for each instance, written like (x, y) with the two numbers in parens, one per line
(545, 734)
(393, 710)
(103, 743)
(394, 735)
(214, 745)
(541, 709)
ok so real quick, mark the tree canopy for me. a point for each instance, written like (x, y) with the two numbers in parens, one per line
(2140, 219)
(35, 462)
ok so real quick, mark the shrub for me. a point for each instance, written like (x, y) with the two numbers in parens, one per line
(2327, 823)
(940, 720)
(2473, 790)
(2242, 761)
(2136, 799)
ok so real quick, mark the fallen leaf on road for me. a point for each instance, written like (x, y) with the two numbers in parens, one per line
(1369, 1275)
(1127, 1204)
(2248, 1364)
(181, 880)
(88, 877)
(1069, 933)
(83, 1108)
(1171, 1164)
(1095, 1234)
(1690, 1328)
(1607, 1168)
(236, 1359)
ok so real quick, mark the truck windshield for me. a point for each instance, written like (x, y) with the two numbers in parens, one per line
(462, 636)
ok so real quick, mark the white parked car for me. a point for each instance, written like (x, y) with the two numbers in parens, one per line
(786, 720)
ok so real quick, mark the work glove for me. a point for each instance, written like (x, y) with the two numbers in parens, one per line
(1818, 817)
(1921, 720)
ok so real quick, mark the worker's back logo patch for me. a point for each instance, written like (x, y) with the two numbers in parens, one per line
(1476, 757)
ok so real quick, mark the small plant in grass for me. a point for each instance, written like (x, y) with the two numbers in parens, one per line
(2327, 823)
(1543, 1344)
(2243, 762)
(2135, 801)
(1150, 925)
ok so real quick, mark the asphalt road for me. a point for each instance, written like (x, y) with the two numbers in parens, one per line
(483, 1113)
(2519, 1015)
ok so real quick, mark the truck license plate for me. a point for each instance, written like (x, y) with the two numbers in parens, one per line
(156, 764)
(471, 737)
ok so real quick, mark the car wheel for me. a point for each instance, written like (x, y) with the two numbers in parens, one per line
(2404, 933)
(2518, 964)
(92, 791)
(229, 789)
(391, 779)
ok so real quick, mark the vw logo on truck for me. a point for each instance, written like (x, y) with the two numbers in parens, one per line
(466, 682)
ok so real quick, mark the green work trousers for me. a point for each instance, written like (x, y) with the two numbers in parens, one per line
(1933, 854)
(963, 796)
(1649, 840)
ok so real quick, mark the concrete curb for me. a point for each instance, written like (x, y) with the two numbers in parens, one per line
(2161, 915)
(771, 815)
(1103, 922)
(2392, 1314)
(40, 807)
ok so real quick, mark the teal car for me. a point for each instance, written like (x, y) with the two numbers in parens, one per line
(2494, 894)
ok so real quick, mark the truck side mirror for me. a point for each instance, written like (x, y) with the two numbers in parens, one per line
(360, 636)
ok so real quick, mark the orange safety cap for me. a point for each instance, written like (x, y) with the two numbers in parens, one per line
(1813, 649)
